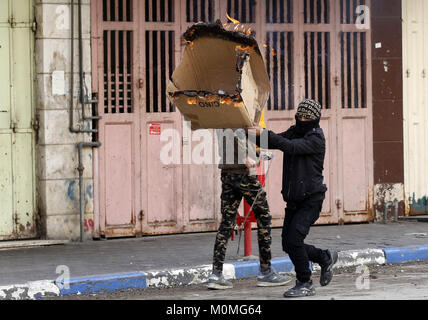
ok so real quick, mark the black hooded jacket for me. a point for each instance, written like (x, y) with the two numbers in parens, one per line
(303, 164)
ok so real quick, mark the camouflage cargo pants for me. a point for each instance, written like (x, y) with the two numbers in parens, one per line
(234, 187)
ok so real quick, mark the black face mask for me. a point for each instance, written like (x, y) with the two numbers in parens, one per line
(302, 127)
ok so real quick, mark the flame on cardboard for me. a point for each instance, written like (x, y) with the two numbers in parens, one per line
(234, 21)
(222, 88)
(237, 26)
(247, 48)
(191, 101)
(208, 97)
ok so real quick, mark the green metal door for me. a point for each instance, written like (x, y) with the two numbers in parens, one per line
(17, 187)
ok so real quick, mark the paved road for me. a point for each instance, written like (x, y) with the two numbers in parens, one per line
(388, 282)
(158, 253)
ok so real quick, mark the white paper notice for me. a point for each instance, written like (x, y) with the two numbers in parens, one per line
(58, 83)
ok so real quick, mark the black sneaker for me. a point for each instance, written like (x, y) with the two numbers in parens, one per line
(327, 269)
(302, 289)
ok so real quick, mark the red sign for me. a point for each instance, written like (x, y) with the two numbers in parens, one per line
(155, 129)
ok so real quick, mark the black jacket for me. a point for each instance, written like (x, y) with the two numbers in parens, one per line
(303, 164)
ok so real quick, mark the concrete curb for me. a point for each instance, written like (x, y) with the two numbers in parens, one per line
(197, 275)
(108, 282)
(405, 254)
(29, 291)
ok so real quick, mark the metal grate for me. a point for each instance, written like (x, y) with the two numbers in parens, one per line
(117, 71)
(279, 65)
(159, 68)
(316, 11)
(353, 69)
(242, 10)
(317, 67)
(200, 10)
(117, 10)
(159, 10)
(279, 11)
(348, 10)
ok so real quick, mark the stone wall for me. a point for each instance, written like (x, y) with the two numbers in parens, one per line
(57, 157)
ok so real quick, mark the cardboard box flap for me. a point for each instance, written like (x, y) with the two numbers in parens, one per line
(250, 95)
(241, 40)
(203, 68)
(221, 81)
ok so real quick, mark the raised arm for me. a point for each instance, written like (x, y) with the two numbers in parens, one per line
(312, 143)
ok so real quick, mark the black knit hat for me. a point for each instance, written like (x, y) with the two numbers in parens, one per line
(309, 108)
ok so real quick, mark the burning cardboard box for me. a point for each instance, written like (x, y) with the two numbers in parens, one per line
(221, 81)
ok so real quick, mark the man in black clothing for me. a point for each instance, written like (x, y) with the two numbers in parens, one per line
(303, 190)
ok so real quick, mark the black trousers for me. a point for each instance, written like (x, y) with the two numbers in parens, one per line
(298, 219)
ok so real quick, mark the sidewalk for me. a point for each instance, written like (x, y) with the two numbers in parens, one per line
(186, 259)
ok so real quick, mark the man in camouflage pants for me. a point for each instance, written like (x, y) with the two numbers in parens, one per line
(240, 181)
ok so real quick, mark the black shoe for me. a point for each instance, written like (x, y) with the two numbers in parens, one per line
(302, 289)
(327, 269)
